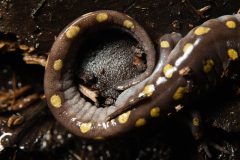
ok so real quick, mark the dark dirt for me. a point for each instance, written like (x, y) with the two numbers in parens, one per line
(116, 59)
(35, 23)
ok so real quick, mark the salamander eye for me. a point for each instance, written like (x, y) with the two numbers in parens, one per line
(87, 60)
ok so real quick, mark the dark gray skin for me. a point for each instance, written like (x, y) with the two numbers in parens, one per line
(210, 48)
(60, 82)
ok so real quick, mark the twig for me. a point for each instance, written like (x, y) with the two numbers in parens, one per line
(36, 11)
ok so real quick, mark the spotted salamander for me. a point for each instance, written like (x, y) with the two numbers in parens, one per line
(186, 67)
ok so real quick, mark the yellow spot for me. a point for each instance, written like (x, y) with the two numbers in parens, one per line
(208, 65)
(232, 54)
(231, 24)
(56, 101)
(168, 70)
(164, 44)
(179, 93)
(123, 118)
(148, 90)
(101, 17)
(99, 138)
(85, 127)
(187, 48)
(72, 32)
(155, 112)
(140, 122)
(128, 24)
(195, 121)
(58, 65)
(201, 30)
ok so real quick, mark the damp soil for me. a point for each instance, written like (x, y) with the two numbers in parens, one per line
(108, 52)
(36, 23)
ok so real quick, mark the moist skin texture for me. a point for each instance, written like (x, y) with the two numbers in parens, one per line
(187, 67)
(68, 106)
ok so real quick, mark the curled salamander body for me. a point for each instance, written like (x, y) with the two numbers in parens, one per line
(186, 67)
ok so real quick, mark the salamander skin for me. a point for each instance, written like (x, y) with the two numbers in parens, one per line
(187, 67)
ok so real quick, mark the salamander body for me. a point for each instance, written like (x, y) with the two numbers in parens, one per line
(186, 67)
